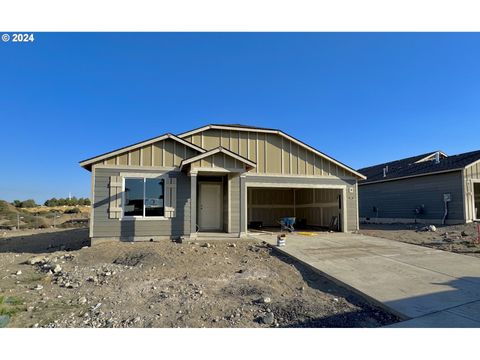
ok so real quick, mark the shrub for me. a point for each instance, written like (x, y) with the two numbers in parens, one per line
(72, 211)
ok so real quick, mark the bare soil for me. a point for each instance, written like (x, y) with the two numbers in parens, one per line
(460, 239)
(241, 283)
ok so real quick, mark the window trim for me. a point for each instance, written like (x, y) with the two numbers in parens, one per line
(143, 217)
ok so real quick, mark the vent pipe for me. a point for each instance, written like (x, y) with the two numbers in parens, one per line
(437, 157)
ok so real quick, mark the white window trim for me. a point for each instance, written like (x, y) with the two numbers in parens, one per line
(143, 217)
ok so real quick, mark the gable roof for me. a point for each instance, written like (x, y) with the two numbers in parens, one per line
(87, 163)
(214, 151)
(240, 127)
(418, 166)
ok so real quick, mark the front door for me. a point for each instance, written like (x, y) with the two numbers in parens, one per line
(210, 206)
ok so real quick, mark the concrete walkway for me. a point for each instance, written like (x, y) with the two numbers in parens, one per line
(426, 287)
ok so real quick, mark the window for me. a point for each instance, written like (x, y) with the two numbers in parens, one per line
(144, 197)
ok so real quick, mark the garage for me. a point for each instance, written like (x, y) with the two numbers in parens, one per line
(313, 208)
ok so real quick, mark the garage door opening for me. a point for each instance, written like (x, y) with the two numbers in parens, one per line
(313, 209)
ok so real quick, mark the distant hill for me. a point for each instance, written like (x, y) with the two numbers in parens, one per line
(41, 216)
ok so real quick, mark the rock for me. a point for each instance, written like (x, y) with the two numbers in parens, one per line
(19, 272)
(268, 318)
(432, 228)
(233, 245)
(82, 300)
(36, 260)
(464, 234)
(57, 269)
(38, 287)
(206, 245)
(266, 300)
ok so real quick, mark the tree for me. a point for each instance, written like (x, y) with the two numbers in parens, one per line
(28, 203)
(17, 203)
(51, 202)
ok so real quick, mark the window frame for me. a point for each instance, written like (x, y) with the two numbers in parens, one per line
(143, 217)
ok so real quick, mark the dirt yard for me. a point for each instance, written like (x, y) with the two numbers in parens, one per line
(165, 284)
(455, 238)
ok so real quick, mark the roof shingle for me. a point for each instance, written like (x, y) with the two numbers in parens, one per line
(410, 167)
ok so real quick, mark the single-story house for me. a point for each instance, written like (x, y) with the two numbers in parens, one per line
(217, 178)
(435, 187)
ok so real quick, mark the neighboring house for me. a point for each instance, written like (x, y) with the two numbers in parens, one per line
(217, 178)
(433, 186)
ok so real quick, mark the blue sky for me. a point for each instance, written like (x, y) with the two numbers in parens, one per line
(361, 98)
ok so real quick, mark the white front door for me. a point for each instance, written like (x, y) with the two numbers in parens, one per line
(210, 206)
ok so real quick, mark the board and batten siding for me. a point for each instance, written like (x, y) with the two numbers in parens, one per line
(397, 199)
(471, 176)
(274, 154)
(165, 153)
(104, 227)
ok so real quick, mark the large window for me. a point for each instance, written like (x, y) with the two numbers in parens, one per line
(144, 197)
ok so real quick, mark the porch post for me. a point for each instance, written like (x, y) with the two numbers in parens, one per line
(193, 205)
(243, 205)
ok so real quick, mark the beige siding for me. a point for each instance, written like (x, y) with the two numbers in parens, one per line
(135, 157)
(110, 161)
(243, 143)
(147, 156)
(273, 154)
(166, 153)
(294, 154)
(122, 159)
(252, 145)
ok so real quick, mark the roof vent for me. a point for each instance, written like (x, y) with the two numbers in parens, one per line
(385, 170)
(437, 157)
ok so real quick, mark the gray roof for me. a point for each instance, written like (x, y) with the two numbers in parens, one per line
(410, 167)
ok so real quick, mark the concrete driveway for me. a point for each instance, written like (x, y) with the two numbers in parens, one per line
(426, 287)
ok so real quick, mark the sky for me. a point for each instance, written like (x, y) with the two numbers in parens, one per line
(362, 98)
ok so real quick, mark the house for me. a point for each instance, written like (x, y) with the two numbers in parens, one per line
(432, 186)
(217, 178)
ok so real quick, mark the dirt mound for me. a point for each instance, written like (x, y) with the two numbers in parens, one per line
(133, 259)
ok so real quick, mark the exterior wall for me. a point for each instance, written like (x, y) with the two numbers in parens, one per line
(234, 188)
(346, 186)
(471, 176)
(273, 154)
(398, 199)
(104, 227)
(166, 153)
(219, 160)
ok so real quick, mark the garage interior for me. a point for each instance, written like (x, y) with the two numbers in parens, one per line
(314, 209)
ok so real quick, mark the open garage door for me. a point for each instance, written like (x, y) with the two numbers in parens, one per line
(313, 208)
